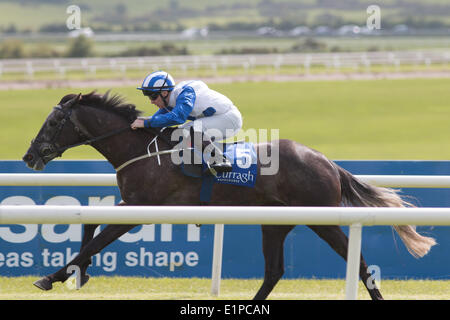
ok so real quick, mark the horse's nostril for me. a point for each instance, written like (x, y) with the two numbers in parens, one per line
(28, 157)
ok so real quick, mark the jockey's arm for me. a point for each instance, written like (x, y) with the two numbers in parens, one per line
(147, 119)
(178, 115)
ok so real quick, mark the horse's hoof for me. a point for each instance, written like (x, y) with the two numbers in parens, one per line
(44, 284)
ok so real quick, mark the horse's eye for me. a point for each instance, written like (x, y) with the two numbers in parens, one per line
(52, 123)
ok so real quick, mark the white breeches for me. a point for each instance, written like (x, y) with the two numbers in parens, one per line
(219, 127)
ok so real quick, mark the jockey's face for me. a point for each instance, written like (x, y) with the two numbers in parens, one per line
(159, 101)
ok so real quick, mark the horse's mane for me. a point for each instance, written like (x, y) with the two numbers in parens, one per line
(111, 103)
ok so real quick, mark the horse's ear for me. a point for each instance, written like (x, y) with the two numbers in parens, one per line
(72, 101)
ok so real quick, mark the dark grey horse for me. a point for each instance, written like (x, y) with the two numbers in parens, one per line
(305, 178)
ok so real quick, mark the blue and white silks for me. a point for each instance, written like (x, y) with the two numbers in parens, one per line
(190, 100)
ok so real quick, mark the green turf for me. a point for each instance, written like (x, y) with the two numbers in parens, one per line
(237, 289)
(380, 119)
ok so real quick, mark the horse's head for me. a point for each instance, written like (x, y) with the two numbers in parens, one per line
(57, 132)
(78, 120)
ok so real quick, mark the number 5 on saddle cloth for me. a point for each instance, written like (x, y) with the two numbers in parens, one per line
(240, 155)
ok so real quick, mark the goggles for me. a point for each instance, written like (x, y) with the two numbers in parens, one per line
(151, 94)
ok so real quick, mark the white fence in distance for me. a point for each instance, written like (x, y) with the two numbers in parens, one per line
(353, 217)
(214, 62)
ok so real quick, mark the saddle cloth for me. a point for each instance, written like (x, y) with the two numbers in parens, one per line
(244, 161)
(243, 158)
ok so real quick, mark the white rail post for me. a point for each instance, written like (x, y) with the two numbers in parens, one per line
(30, 70)
(217, 259)
(353, 261)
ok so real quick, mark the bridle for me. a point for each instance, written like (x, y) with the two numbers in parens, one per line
(48, 149)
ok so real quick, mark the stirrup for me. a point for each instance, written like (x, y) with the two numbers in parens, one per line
(216, 168)
(223, 167)
(210, 171)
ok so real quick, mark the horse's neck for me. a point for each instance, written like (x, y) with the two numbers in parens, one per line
(119, 148)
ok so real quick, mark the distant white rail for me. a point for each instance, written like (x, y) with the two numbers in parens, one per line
(214, 62)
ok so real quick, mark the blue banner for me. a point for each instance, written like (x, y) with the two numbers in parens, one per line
(186, 250)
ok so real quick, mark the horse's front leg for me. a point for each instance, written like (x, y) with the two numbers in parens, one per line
(89, 247)
(104, 238)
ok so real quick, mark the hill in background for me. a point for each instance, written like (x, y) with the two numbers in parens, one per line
(176, 15)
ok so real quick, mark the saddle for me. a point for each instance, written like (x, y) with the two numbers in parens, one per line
(239, 157)
(205, 151)
(243, 159)
(198, 166)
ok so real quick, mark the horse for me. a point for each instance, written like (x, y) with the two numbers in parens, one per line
(305, 178)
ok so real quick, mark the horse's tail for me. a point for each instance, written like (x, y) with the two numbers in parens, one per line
(359, 194)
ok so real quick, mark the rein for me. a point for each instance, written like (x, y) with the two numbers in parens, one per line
(68, 117)
(149, 154)
(115, 132)
(54, 149)
(90, 141)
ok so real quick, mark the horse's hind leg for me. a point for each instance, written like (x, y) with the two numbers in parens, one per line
(104, 238)
(273, 246)
(337, 240)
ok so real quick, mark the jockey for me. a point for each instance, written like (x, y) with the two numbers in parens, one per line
(209, 110)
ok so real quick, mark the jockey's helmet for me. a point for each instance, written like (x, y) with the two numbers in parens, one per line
(158, 81)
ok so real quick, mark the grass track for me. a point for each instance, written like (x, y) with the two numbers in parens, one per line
(134, 288)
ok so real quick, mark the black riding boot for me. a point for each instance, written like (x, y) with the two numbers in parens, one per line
(216, 165)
